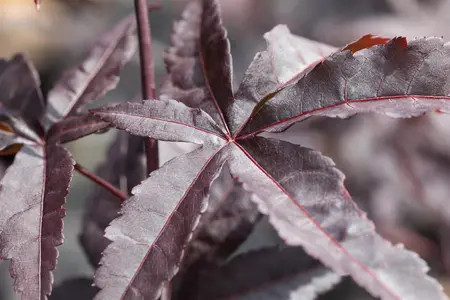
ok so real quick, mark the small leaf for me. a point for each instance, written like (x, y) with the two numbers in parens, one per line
(96, 75)
(73, 128)
(20, 88)
(281, 274)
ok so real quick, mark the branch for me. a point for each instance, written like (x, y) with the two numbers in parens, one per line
(101, 182)
(147, 72)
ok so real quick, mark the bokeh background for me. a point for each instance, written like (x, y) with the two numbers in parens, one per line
(397, 170)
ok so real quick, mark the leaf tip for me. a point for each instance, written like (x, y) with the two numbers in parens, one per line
(367, 41)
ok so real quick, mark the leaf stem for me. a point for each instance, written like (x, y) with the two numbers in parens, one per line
(101, 182)
(147, 72)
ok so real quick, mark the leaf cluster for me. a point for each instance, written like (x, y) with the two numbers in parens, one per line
(180, 233)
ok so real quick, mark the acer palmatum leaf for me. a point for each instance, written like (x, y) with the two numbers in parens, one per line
(73, 128)
(31, 216)
(282, 274)
(34, 187)
(125, 168)
(300, 189)
(286, 58)
(20, 90)
(96, 75)
(155, 225)
(199, 62)
(399, 79)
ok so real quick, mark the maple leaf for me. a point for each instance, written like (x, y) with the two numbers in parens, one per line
(300, 189)
(35, 186)
(283, 273)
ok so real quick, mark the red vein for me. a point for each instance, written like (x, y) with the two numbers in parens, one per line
(208, 86)
(169, 218)
(384, 98)
(326, 234)
(162, 120)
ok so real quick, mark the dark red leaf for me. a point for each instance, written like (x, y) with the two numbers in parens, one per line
(155, 225)
(73, 128)
(271, 273)
(300, 190)
(31, 219)
(227, 222)
(199, 63)
(20, 88)
(163, 120)
(388, 79)
(286, 59)
(96, 75)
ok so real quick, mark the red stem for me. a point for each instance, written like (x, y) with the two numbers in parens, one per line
(147, 73)
(101, 182)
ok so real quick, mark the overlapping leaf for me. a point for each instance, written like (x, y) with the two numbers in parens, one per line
(300, 189)
(281, 274)
(95, 76)
(227, 222)
(35, 186)
(124, 168)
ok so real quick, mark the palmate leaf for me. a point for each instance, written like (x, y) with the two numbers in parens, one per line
(300, 189)
(282, 274)
(34, 188)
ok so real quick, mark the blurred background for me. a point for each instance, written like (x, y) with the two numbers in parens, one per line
(397, 170)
